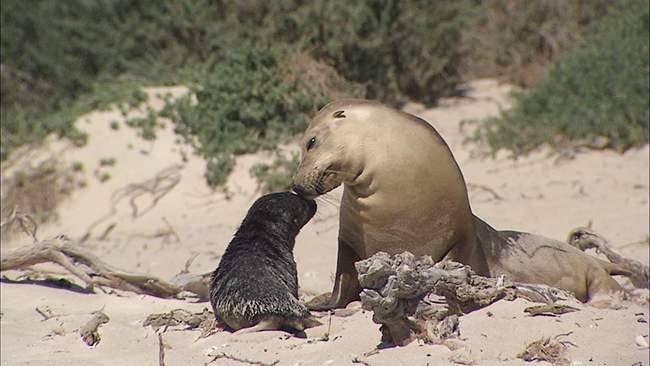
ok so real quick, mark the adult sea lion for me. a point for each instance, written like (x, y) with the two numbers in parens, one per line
(404, 191)
(256, 282)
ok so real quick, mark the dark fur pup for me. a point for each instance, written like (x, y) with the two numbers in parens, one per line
(256, 283)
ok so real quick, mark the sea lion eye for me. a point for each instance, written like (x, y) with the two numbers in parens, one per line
(311, 143)
(339, 114)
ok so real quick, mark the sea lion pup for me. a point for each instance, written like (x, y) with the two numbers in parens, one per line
(256, 282)
(404, 191)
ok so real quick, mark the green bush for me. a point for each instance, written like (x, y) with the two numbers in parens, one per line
(600, 91)
(54, 52)
(147, 125)
(398, 49)
(244, 104)
(107, 161)
(61, 59)
(514, 39)
(27, 125)
(277, 176)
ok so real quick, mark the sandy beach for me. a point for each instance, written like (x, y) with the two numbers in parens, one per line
(135, 230)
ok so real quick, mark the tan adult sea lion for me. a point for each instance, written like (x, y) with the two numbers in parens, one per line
(404, 191)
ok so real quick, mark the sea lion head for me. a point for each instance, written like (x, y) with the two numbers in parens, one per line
(282, 208)
(331, 148)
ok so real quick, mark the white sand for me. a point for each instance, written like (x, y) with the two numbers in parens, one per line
(536, 195)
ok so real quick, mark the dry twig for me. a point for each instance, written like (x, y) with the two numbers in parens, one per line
(157, 187)
(244, 360)
(161, 349)
(494, 194)
(26, 222)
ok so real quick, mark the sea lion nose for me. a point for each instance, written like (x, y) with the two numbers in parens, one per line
(301, 191)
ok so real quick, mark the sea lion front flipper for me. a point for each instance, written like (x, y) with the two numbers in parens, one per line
(346, 284)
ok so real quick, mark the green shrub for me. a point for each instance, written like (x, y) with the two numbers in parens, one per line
(600, 91)
(147, 125)
(398, 49)
(244, 104)
(514, 39)
(77, 166)
(54, 52)
(104, 177)
(277, 176)
(107, 161)
(28, 125)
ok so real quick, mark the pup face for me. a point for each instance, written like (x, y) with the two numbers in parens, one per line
(284, 207)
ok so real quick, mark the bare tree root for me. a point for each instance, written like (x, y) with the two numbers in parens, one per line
(495, 195)
(585, 238)
(93, 271)
(157, 187)
(89, 332)
(422, 299)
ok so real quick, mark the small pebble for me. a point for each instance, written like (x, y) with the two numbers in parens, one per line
(641, 342)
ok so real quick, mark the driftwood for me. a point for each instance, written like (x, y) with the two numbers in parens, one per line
(89, 332)
(549, 309)
(422, 299)
(93, 271)
(585, 238)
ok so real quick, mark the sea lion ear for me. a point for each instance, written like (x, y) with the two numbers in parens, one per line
(340, 118)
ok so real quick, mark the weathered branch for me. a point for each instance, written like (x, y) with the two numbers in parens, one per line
(93, 271)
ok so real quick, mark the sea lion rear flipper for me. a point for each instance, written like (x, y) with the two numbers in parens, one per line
(638, 274)
(615, 269)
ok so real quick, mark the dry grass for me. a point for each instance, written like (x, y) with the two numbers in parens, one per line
(315, 77)
(35, 190)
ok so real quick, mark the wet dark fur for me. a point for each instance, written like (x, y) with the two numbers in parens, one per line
(257, 275)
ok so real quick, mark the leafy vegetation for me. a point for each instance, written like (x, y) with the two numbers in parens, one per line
(599, 91)
(245, 104)
(260, 68)
(276, 176)
(514, 40)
